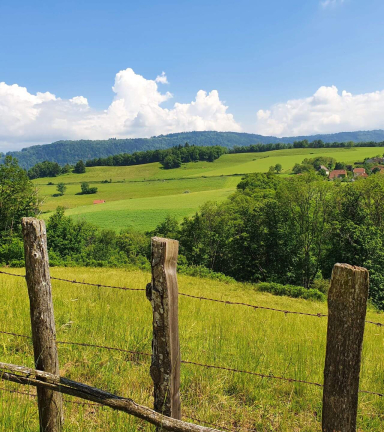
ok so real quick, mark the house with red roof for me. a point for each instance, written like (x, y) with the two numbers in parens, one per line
(335, 174)
(359, 172)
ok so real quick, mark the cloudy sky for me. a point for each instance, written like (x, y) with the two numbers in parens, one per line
(98, 69)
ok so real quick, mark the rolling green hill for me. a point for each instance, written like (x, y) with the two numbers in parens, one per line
(64, 152)
(142, 195)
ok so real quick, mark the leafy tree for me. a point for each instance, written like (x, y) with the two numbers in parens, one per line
(172, 161)
(79, 167)
(278, 168)
(133, 244)
(44, 169)
(296, 169)
(168, 228)
(340, 166)
(66, 169)
(86, 189)
(18, 197)
(271, 169)
(61, 188)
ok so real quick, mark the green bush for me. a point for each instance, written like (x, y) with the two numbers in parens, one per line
(204, 272)
(321, 285)
(291, 291)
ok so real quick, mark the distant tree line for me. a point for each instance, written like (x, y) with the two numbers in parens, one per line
(69, 152)
(175, 156)
(48, 169)
(169, 158)
(260, 148)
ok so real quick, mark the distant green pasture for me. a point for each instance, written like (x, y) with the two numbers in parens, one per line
(145, 213)
(131, 190)
(142, 195)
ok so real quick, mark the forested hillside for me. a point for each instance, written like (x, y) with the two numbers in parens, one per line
(69, 152)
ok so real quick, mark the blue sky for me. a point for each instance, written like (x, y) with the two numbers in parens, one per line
(257, 55)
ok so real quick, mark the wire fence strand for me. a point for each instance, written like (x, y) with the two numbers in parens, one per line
(188, 362)
(227, 302)
(72, 281)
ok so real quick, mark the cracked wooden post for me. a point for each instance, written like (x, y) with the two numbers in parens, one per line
(42, 320)
(163, 295)
(347, 305)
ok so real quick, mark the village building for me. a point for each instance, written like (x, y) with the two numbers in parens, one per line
(375, 160)
(359, 172)
(337, 174)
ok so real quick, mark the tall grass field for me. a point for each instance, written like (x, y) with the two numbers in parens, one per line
(143, 195)
(237, 337)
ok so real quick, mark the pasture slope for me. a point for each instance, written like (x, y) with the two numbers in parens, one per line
(237, 337)
(141, 196)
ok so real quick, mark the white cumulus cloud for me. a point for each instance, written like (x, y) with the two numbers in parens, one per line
(162, 79)
(135, 111)
(327, 111)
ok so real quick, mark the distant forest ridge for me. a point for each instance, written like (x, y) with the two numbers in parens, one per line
(69, 152)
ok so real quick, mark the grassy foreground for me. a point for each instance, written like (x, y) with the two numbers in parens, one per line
(233, 336)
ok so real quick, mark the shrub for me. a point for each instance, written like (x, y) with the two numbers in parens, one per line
(291, 291)
(321, 285)
(204, 272)
(86, 189)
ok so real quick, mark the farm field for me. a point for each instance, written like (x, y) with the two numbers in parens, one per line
(130, 185)
(133, 190)
(144, 214)
(237, 337)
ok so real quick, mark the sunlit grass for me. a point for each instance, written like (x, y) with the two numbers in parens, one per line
(233, 336)
(144, 213)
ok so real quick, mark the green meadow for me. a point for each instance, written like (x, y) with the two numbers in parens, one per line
(145, 213)
(237, 337)
(143, 195)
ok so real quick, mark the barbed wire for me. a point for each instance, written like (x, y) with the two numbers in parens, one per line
(202, 422)
(319, 315)
(82, 344)
(11, 274)
(104, 347)
(97, 285)
(228, 302)
(34, 395)
(207, 366)
(81, 283)
(251, 373)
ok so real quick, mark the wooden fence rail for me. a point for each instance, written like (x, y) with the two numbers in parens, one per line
(347, 304)
(51, 382)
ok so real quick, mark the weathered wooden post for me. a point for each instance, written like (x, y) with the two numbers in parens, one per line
(163, 295)
(347, 305)
(42, 320)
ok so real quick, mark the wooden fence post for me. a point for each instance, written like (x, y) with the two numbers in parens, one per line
(347, 305)
(163, 294)
(42, 320)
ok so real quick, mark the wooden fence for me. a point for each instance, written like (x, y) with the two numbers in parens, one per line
(347, 304)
